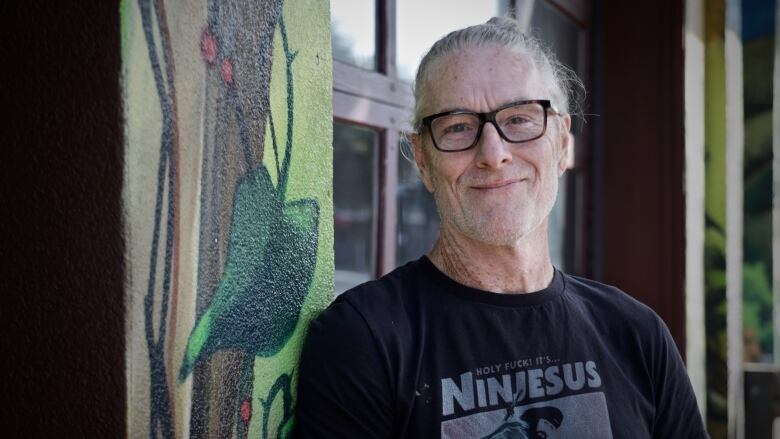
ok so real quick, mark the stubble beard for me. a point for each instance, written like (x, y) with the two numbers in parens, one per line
(507, 228)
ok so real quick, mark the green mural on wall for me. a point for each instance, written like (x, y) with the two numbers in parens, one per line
(758, 38)
(757, 234)
(715, 221)
(228, 177)
(270, 265)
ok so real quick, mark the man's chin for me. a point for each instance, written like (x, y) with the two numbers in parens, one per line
(501, 234)
(497, 227)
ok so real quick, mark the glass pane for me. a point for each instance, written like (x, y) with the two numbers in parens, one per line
(563, 36)
(420, 24)
(556, 227)
(758, 56)
(353, 30)
(558, 31)
(418, 220)
(354, 203)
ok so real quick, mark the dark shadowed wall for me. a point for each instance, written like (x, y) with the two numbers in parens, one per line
(641, 221)
(62, 312)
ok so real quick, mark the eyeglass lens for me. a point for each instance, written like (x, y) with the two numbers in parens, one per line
(517, 123)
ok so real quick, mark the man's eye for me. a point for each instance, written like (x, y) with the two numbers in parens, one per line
(457, 128)
(518, 120)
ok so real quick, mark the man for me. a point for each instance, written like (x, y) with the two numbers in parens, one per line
(452, 344)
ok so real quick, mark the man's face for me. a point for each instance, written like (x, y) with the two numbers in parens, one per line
(496, 192)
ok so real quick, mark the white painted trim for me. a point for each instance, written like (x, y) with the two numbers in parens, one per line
(735, 145)
(695, 332)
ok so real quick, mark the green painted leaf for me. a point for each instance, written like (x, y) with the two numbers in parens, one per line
(195, 344)
(254, 220)
(270, 266)
(287, 275)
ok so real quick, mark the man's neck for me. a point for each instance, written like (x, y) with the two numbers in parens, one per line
(523, 267)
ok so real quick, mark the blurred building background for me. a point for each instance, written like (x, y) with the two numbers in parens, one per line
(669, 194)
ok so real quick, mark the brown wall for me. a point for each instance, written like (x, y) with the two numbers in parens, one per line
(642, 215)
(62, 313)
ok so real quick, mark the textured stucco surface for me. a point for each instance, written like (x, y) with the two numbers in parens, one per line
(227, 216)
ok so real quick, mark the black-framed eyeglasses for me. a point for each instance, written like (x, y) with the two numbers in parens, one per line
(516, 122)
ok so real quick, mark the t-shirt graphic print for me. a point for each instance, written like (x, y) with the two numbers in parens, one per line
(526, 401)
(582, 413)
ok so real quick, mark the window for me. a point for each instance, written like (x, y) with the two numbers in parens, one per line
(354, 200)
(384, 216)
(416, 31)
(353, 31)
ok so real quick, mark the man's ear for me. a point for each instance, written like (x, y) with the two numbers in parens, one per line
(566, 140)
(422, 161)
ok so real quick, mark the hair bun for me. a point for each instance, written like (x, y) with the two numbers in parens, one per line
(505, 23)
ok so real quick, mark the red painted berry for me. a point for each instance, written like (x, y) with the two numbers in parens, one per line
(208, 46)
(227, 71)
(246, 411)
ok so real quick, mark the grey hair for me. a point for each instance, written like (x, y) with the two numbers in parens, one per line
(562, 83)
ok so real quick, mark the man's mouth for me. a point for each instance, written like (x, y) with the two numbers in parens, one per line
(497, 184)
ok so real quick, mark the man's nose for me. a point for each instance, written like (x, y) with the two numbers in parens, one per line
(492, 150)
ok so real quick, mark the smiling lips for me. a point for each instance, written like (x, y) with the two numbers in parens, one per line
(497, 185)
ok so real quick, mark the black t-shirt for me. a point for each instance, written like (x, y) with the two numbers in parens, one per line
(416, 354)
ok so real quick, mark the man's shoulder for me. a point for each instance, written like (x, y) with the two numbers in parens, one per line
(609, 300)
(392, 289)
(381, 301)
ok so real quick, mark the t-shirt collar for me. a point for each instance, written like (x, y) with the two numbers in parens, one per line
(448, 285)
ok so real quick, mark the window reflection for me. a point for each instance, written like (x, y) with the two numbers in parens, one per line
(418, 220)
(353, 31)
(559, 31)
(557, 227)
(420, 24)
(354, 203)
(759, 48)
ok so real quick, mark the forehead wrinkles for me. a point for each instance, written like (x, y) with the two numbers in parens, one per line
(477, 72)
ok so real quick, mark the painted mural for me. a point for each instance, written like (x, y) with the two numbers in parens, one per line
(226, 197)
(758, 46)
(758, 39)
(716, 353)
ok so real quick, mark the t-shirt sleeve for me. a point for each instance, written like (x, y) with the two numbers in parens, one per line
(344, 389)
(677, 414)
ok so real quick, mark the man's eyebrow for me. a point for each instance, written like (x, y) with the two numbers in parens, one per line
(451, 109)
(469, 110)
